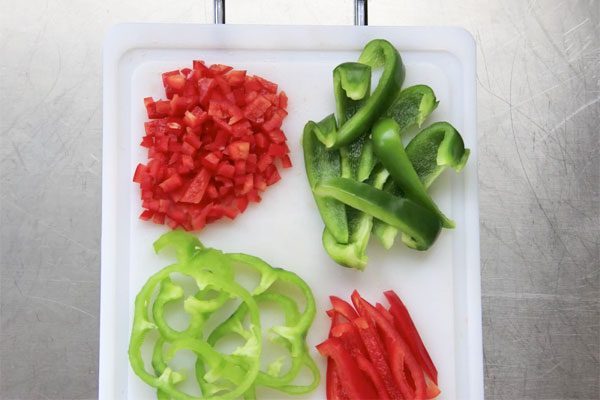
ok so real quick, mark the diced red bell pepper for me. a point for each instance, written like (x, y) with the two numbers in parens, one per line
(197, 187)
(255, 109)
(239, 150)
(171, 183)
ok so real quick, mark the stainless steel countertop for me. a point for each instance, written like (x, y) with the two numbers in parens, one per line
(539, 141)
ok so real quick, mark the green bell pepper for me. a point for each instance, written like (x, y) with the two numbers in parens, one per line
(377, 53)
(418, 222)
(320, 164)
(351, 89)
(353, 254)
(220, 376)
(431, 151)
(412, 106)
(390, 151)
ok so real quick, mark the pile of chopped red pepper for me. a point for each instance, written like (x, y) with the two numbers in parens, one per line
(212, 145)
(376, 353)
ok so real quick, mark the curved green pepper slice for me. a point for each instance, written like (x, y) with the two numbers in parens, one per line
(377, 53)
(390, 151)
(419, 223)
(431, 151)
(320, 164)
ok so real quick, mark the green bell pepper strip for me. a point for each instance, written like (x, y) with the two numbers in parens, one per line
(420, 223)
(431, 151)
(436, 148)
(320, 164)
(353, 254)
(377, 53)
(390, 151)
(351, 89)
(412, 106)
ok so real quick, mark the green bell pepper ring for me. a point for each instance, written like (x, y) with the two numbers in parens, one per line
(390, 151)
(353, 254)
(377, 53)
(320, 164)
(142, 325)
(420, 223)
(431, 151)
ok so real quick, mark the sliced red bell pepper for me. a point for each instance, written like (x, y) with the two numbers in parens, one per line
(406, 327)
(351, 376)
(400, 355)
(343, 307)
(353, 343)
(376, 352)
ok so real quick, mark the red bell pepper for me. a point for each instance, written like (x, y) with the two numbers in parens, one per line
(400, 355)
(406, 327)
(376, 352)
(343, 307)
(355, 385)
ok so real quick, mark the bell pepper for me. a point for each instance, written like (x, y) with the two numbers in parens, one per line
(222, 376)
(351, 89)
(320, 164)
(421, 224)
(376, 353)
(377, 53)
(355, 386)
(291, 335)
(390, 151)
(431, 151)
(405, 325)
(412, 106)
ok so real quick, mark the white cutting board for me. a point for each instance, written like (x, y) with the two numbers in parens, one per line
(441, 287)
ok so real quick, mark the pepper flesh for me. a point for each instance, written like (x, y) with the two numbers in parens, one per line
(422, 225)
(220, 376)
(377, 53)
(320, 164)
(390, 151)
(431, 151)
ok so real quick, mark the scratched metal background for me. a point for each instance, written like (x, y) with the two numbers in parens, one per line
(539, 119)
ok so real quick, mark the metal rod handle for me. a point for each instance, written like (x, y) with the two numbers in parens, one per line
(219, 17)
(361, 16)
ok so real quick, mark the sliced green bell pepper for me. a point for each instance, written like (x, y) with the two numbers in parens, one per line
(377, 53)
(418, 222)
(351, 89)
(320, 164)
(390, 151)
(431, 151)
(412, 106)
(220, 376)
(353, 254)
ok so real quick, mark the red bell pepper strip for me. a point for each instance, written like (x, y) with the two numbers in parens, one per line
(353, 343)
(406, 326)
(370, 338)
(400, 355)
(384, 311)
(343, 307)
(352, 377)
(334, 389)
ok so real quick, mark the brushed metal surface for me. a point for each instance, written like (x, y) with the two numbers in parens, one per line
(539, 139)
